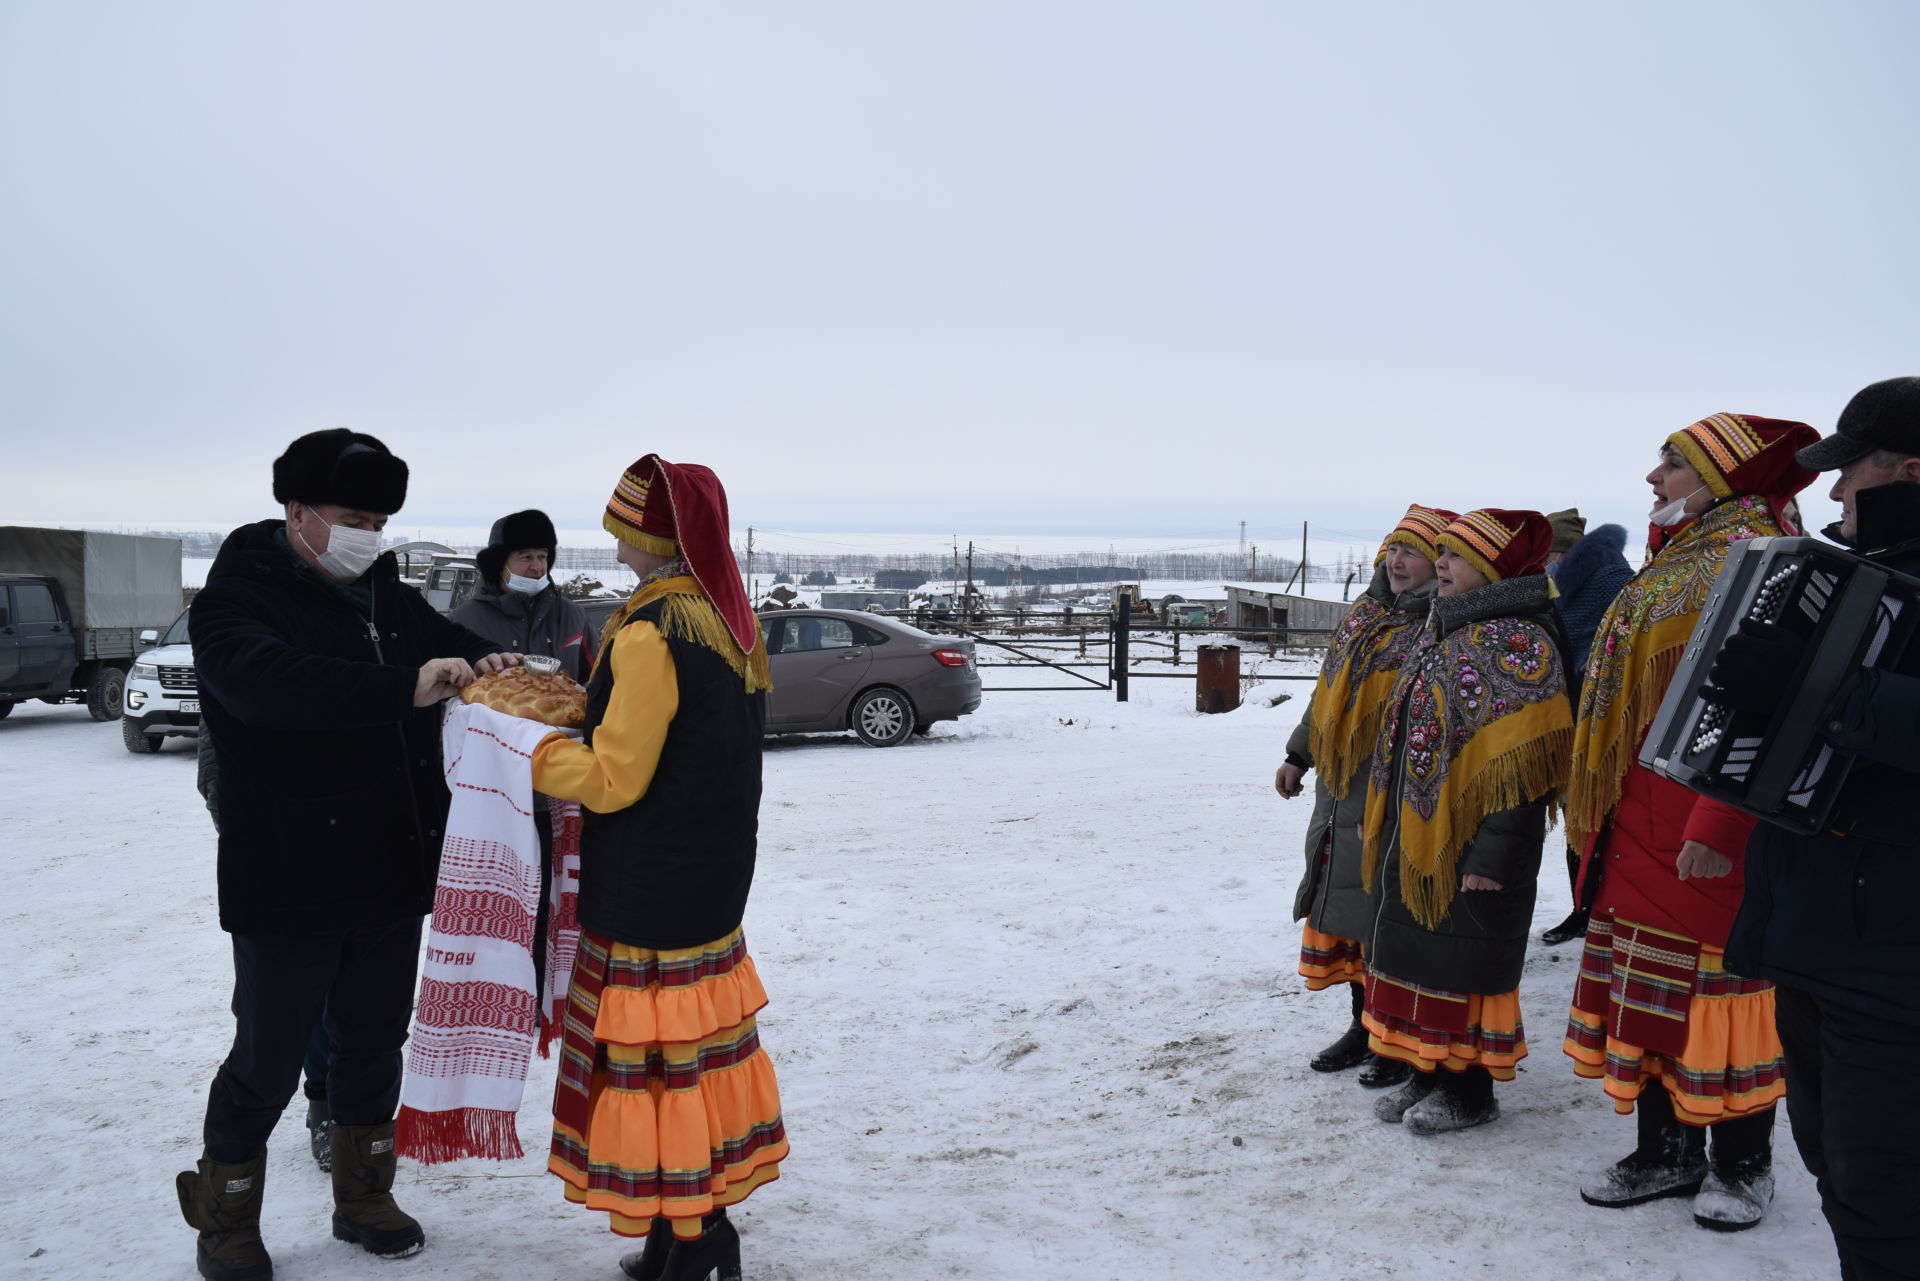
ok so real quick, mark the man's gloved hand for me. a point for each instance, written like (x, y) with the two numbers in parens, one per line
(1754, 667)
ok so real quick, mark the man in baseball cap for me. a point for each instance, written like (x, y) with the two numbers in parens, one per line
(1829, 918)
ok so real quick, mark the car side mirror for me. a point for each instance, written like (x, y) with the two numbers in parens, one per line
(148, 636)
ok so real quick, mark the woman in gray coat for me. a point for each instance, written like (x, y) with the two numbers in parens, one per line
(1335, 739)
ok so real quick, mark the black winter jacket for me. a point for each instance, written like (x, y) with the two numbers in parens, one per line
(1481, 944)
(1833, 914)
(331, 793)
(548, 623)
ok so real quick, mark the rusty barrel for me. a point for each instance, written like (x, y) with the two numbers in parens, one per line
(1216, 686)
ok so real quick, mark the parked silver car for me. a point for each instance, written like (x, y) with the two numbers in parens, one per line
(839, 669)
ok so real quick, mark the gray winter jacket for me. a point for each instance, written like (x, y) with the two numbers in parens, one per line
(1481, 944)
(549, 624)
(1330, 896)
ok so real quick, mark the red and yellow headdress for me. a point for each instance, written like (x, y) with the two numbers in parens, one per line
(1500, 543)
(680, 509)
(1418, 529)
(1744, 454)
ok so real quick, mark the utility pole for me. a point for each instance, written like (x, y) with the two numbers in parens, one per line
(966, 606)
(1253, 561)
(1303, 558)
(749, 564)
(1243, 538)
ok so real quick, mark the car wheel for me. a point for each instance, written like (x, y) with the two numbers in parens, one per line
(137, 740)
(883, 717)
(105, 692)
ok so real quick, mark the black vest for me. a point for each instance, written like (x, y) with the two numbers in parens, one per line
(673, 869)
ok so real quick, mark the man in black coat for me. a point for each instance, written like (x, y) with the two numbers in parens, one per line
(320, 678)
(1829, 918)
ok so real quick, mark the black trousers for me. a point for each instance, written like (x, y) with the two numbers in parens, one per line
(1852, 1080)
(364, 981)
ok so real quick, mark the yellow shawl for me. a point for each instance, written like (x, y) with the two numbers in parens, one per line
(687, 615)
(1355, 683)
(1637, 649)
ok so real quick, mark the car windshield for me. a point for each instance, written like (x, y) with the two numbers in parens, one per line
(177, 634)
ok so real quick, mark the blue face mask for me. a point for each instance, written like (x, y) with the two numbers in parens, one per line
(526, 586)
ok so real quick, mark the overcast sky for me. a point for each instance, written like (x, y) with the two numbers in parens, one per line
(1104, 265)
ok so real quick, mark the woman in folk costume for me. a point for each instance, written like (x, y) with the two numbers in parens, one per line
(666, 1111)
(1335, 737)
(1655, 1012)
(1473, 747)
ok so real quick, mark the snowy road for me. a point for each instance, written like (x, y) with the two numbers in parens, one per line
(1034, 1013)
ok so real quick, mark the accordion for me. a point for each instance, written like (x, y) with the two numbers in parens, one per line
(1849, 612)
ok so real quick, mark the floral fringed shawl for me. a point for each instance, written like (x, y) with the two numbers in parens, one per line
(1479, 722)
(1637, 650)
(1355, 683)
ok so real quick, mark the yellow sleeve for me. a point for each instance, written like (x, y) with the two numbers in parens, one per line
(615, 771)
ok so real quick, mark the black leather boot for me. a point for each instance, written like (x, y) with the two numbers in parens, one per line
(1351, 1049)
(648, 1262)
(222, 1199)
(715, 1251)
(363, 1208)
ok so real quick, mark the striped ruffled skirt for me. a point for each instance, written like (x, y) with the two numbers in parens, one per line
(1433, 1028)
(666, 1106)
(1646, 1010)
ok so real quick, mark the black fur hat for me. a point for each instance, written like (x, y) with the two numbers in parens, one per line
(349, 468)
(516, 533)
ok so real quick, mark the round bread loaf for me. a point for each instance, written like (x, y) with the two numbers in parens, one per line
(553, 700)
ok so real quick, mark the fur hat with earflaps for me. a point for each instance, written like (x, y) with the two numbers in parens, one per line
(341, 467)
(522, 531)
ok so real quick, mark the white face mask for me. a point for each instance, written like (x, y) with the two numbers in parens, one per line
(349, 551)
(1674, 512)
(526, 586)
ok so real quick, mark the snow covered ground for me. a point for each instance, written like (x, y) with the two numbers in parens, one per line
(1034, 1013)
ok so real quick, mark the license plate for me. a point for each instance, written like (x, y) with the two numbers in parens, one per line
(189, 704)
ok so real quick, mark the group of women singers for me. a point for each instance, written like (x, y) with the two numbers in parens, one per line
(1445, 729)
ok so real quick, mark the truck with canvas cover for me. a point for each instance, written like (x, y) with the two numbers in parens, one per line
(73, 603)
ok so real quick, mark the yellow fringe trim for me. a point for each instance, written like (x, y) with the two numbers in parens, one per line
(689, 616)
(1342, 733)
(652, 544)
(1605, 748)
(1497, 778)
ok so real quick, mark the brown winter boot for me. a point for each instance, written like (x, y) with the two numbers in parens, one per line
(223, 1201)
(363, 1208)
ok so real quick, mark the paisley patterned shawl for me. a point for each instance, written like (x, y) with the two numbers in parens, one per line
(1637, 649)
(1363, 659)
(1478, 723)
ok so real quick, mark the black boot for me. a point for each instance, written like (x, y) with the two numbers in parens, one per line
(319, 1132)
(222, 1199)
(1351, 1049)
(1739, 1184)
(1575, 926)
(1670, 1161)
(647, 1263)
(363, 1208)
(717, 1249)
(1381, 1072)
(1459, 1101)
